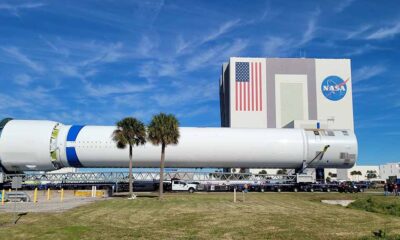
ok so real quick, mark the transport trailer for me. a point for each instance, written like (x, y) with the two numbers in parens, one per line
(176, 185)
(287, 187)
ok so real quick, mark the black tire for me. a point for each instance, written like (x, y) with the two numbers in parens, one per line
(191, 190)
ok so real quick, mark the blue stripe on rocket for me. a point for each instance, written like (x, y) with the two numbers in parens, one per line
(72, 157)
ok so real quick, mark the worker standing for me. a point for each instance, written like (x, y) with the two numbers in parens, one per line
(386, 189)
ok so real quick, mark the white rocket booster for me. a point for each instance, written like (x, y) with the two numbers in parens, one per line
(47, 145)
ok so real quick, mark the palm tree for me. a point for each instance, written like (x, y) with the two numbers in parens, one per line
(371, 174)
(163, 129)
(357, 173)
(130, 132)
(281, 172)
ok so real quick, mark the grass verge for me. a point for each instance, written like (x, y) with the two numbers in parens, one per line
(208, 216)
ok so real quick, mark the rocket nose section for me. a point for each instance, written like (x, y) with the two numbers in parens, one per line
(2, 125)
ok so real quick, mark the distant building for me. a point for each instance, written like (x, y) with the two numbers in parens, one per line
(357, 173)
(389, 169)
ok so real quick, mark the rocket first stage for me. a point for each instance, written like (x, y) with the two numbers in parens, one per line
(46, 145)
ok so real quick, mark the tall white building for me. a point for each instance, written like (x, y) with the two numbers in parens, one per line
(389, 169)
(286, 92)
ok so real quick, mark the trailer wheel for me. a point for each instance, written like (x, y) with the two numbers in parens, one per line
(191, 190)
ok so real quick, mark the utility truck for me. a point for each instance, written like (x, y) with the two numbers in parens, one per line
(180, 185)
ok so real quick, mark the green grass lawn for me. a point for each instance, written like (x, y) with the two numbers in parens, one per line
(210, 216)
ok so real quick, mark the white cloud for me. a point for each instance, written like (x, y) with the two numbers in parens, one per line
(16, 8)
(105, 54)
(117, 88)
(216, 55)
(367, 72)
(342, 5)
(359, 50)
(357, 32)
(188, 93)
(146, 46)
(8, 102)
(276, 46)
(16, 54)
(39, 97)
(194, 112)
(309, 33)
(23, 79)
(224, 28)
(56, 49)
(153, 69)
(181, 45)
(386, 32)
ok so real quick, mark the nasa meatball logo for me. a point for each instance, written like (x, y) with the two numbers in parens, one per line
(334, 88)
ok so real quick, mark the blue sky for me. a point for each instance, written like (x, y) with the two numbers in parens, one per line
(97, 61)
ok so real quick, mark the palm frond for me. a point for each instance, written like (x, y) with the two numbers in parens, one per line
(164, 129)
(130, 131)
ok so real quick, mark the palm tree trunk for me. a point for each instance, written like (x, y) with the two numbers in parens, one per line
(130, 172)
(161, 188)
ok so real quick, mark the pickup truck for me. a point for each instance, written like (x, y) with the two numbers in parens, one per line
(179, 185)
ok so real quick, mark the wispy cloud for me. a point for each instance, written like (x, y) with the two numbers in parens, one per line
(275, 46)
(106, 54)
(24, 59)
(359, 50)
(342, 5)
(15, 9)
(189, 46)
(59, 50)
(102, 90)
(186, 93)
(381, 120)
(145, 47)
(367, 72)
(279, 46)
(386, 32)
(310, 30)
(9, 102)
(358, 32)
(23, 79)
(224, 28)
(361, 89)
(216, 55)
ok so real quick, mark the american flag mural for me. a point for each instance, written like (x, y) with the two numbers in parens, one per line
(248, 87)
